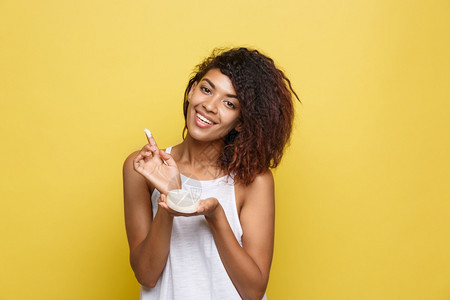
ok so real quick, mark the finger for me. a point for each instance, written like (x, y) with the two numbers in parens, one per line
(144, 155)
(150, 138)
(162, 199)
(150, 148)
(148, 158)
(202, 206)
(201, 209)
(141, 164)
(168, 158)
(137, 158)
(142, 158)
(135, 165)
(138, 166)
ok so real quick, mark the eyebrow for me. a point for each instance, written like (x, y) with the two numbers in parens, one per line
(213, 86)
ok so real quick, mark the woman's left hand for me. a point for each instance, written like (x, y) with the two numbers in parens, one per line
(206, 207)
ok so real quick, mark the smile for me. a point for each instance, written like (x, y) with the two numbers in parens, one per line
(204, 120)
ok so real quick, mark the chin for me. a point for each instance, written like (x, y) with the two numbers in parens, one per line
(203, 137)
(200, 137)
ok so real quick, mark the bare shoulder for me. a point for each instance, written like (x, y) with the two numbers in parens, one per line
(262, 181)
(259, 191)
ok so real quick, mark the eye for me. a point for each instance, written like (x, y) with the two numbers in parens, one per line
(205, 90)
(230, 104)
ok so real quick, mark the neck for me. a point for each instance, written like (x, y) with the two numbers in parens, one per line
(199, 154)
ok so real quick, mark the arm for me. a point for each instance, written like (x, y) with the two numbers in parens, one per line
(148, 238)
(248, 266)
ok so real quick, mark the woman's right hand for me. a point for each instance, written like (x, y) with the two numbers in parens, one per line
(151, 163)
(206, 207)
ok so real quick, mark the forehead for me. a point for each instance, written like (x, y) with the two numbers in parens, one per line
(220, 81)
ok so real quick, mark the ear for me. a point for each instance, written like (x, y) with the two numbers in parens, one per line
(191, 90)
(238, 127)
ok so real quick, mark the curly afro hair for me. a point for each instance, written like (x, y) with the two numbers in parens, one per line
(267, 111)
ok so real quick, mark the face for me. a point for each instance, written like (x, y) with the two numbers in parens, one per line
(213, 107)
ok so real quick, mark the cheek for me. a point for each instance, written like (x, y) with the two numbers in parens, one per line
(233, 122)
(194, 101)
(236, 116)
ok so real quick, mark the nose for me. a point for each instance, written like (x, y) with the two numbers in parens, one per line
(210, 104)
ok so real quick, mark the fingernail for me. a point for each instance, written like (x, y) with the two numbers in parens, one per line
(148, 133)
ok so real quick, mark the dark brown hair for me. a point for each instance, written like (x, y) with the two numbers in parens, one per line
(267, 112)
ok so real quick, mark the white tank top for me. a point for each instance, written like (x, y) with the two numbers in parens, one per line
(194, 270)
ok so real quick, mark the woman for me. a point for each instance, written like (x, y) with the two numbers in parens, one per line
(238, 117)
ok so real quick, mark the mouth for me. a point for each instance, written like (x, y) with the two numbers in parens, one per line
(203, 119)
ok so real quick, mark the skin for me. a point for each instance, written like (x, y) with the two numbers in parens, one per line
(149, 238)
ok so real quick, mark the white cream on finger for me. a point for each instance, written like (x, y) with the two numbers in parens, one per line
(148, 133)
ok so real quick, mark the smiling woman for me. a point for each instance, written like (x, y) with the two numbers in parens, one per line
(238, 117)
(214, 108)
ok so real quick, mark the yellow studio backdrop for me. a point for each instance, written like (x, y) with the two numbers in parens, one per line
(362, 195)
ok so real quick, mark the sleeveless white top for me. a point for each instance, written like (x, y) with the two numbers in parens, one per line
(194, 270)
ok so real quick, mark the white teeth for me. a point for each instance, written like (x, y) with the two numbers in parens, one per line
(203, 119)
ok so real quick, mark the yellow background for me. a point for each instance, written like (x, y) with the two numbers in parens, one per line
(363, 193)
